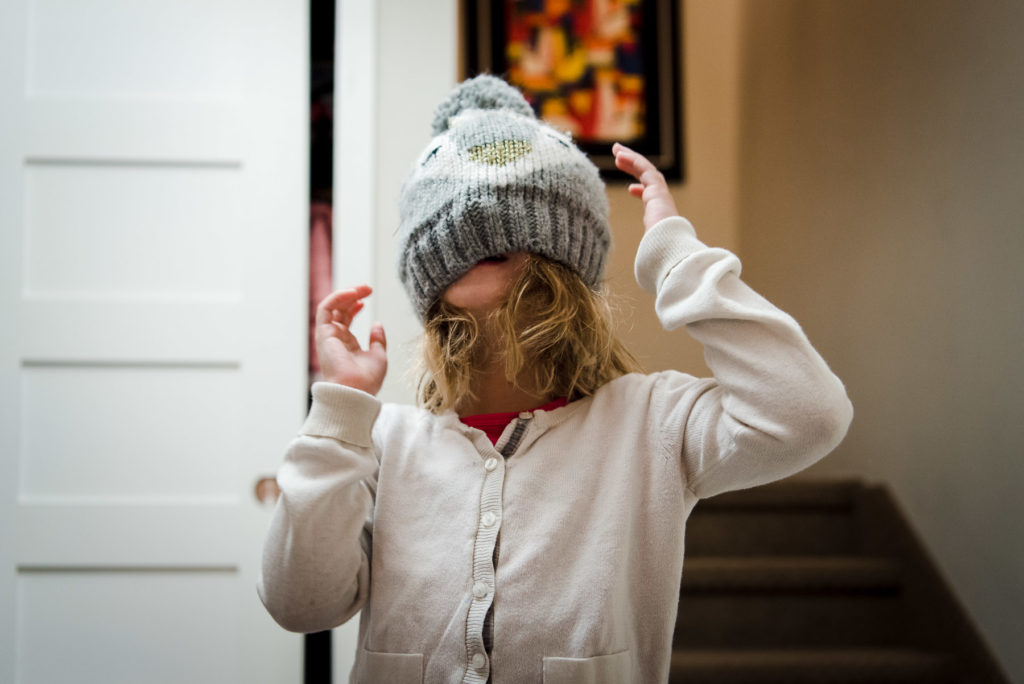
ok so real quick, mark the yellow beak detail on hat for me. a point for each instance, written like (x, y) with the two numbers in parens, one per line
(500, 153)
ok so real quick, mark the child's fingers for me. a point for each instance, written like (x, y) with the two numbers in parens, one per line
(338, 331)
(626, 160)
(341, 331)
(341, 298)
(377, 337)
(652, 188)
(341, 305)
(636, 165)
(346, 315)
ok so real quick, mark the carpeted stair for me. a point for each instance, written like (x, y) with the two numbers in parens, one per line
(817, 582)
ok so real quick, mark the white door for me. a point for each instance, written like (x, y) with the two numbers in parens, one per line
(153, 228)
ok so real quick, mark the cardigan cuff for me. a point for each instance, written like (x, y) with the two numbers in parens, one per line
(667, 243)
(342, 413)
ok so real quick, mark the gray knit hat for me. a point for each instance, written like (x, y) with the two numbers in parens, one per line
(493, 180)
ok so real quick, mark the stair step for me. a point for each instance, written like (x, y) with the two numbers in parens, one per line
(826, 601)
(780, 620)
(726, 531)
(850, 574)
(830, 495)
(812, 666)
(789, 517)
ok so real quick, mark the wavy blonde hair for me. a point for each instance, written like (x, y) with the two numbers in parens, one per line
(555, 336)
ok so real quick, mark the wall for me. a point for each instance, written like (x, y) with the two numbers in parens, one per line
(881, 203)
(707, 196)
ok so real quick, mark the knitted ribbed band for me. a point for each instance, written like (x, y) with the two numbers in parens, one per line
(496, 180)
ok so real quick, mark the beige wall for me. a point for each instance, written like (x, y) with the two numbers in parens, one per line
(882, 203)
(711, 62)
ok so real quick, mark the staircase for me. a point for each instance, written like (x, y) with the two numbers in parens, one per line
(817, 582)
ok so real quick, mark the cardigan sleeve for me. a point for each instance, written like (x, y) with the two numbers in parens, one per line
(316, 570)
(773, 407)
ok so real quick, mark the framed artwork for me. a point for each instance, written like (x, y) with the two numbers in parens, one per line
(603, 70)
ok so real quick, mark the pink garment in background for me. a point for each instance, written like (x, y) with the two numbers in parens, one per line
(320, 227)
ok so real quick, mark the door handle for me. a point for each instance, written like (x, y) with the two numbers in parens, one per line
(267, 491)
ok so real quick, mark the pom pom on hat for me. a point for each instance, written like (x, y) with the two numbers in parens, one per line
(482, 92)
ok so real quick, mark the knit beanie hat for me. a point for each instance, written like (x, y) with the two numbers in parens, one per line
(494, 180)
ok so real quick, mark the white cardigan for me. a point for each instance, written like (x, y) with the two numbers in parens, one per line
(574, 541)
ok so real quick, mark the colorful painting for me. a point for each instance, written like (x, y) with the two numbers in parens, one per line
(580, 63)
(602, 70)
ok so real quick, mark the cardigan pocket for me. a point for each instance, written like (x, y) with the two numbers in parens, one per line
(394, 668)
(614, 668)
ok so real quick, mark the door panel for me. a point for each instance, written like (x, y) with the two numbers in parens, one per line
(79, 625)
(188, 48)
(120, 448)
(156, 215)
(153, 228)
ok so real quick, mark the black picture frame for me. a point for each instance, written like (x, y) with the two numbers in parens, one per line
(656, 39)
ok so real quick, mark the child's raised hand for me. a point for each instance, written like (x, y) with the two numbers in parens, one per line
(652, 188)
(342, 360)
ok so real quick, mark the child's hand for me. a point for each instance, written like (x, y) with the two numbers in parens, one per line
(342, 360)
(652, 188)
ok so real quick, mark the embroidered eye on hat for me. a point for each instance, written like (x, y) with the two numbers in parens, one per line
(495, 180)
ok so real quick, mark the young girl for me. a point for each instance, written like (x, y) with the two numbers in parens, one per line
(525, 523)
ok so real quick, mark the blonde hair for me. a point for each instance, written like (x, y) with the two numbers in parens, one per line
(555, 335)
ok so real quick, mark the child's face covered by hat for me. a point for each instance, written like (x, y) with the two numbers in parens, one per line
(483, 288)
(495, 182)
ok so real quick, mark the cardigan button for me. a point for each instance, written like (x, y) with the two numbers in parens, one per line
(479, 660)
(480, 589)
(488, 518)
(490, 464)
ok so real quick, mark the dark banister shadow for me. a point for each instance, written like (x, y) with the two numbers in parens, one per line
(317, 658)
